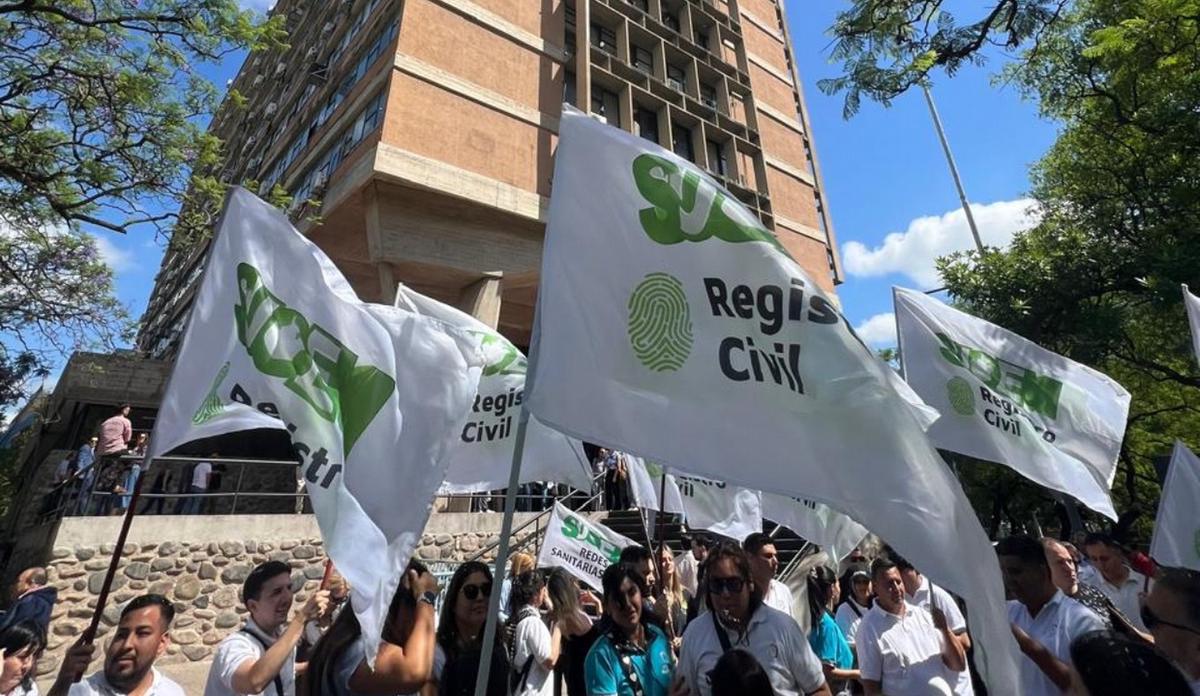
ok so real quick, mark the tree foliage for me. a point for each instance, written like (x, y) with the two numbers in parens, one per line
(1098, 279)
(888, 46)
(102, 126)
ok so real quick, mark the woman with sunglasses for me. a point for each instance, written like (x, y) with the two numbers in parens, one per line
(631, 657)
(460, 630)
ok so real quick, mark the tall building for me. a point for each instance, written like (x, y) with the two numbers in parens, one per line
(426, 129)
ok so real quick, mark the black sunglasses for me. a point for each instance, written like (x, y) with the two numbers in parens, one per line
(1151, 620)
(472, 592)
(725, 585)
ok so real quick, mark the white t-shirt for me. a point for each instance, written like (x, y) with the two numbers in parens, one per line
(1125, 596)
(238, 648)
(903, 653)
(532, 638)
(779, 597)
(200, 475)
(687, 568)
(772, 637)
(930, 596)
(847, 619)
(1058, 623)
(19, 690)
(97, 685)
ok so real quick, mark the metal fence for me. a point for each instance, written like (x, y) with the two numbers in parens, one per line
(245, 486)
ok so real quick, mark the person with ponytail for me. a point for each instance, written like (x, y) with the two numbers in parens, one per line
(826, 638)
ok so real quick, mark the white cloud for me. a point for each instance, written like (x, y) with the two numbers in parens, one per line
(914, 251)
(257, 5)
(117, 258)
(879, 330)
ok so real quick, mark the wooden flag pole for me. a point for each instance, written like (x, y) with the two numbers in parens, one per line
(89, 634)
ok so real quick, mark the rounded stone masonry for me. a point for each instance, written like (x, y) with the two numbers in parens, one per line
(203, 576)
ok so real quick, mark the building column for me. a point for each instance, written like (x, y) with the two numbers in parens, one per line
(481, 300)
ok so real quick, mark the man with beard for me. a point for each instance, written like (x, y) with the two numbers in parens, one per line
(140, 639)
(261, 657)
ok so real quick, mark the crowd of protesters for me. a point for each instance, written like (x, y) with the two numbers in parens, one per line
(712, 621)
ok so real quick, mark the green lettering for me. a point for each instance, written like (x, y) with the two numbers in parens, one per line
(570, 528)
(984, 366)
(1040, 394)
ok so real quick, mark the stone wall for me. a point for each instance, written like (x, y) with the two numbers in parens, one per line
(200, 563)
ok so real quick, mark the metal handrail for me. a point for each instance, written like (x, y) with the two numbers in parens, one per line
(536, 521)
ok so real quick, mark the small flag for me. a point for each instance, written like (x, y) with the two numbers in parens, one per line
(1176, 541)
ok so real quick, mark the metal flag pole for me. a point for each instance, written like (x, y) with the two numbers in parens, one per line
(962, 194)
(510, 502)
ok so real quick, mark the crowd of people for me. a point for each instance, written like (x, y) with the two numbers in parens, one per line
(713, 620)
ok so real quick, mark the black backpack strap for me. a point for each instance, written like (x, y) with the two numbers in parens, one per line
(258, 639)
(726, 646)
(519, 678)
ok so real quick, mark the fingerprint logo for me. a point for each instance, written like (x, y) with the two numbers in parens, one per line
(660, 326)
(212, 407)
(962, 398)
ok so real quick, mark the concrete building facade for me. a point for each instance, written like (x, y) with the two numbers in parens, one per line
(426, 130)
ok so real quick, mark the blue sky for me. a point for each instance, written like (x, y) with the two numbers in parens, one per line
(891, 196)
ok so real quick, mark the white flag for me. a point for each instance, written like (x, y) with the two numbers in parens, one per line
(583, 547)
(815, 522)
(714, 506)
(481, 456)
(1176, 541)
(1193, 311)
(1006, 399)
(697, 342)
(371, 394)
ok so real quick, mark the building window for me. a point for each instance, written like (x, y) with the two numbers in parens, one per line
(670, 19)
(646, 123)
(681, 142)
(675, 77)
(708, 95)
(569, 95)
(604, 39)
(643, 60)
(606, 105)
(569, 16)
(717, 163)
(702, 37)
(643, 5)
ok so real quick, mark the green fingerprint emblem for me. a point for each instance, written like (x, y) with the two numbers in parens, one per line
(660, 325)
(962, 397)
(212, 407)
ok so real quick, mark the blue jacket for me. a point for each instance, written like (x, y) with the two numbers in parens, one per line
(34, 606)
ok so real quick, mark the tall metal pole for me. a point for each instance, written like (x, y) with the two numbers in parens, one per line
(962, 194)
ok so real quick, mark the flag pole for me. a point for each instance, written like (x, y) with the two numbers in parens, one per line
(493, 615)
(89, 634)
(510, 504)
(962, 193)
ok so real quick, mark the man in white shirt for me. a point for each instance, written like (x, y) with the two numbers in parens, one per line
(738, 618)
(902, 648)
(535, 646)
(922, 593)
(1044, 620)
(201, 475)
(1120, 583)
(687, 564)
(140, 639)
(260, 659)
(1171, 613)
(764, 564)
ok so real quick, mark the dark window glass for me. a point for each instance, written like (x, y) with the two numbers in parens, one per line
(708, 95)
(643, 60)
(716, 158)
(647, 124)
(682, 142)
(675, 77)
(604, 38)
